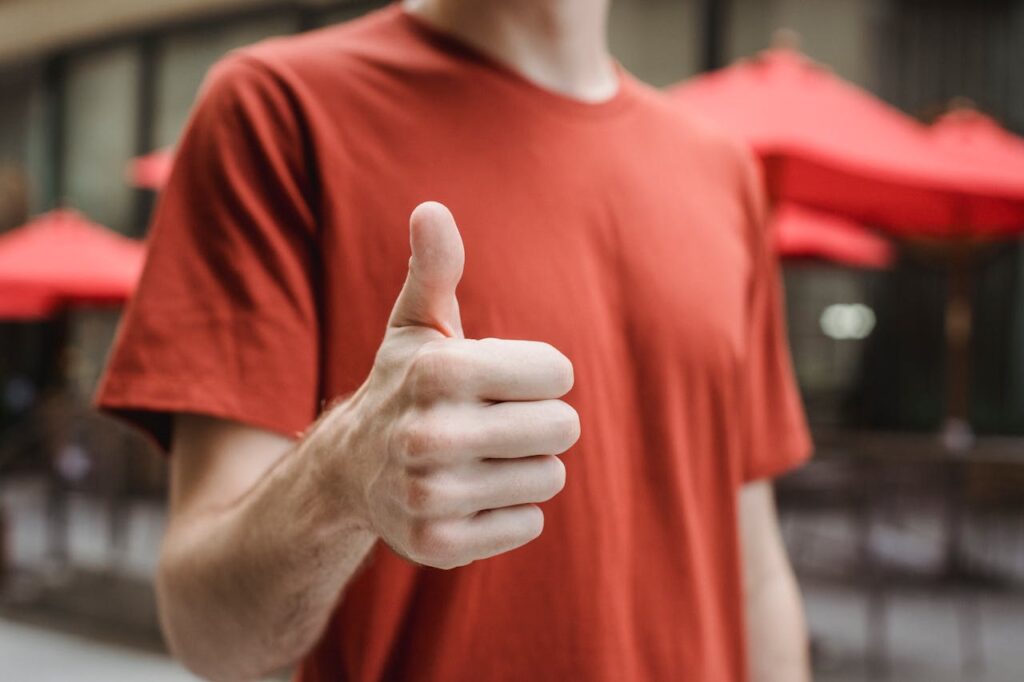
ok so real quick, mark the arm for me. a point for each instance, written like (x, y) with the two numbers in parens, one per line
(776, 631)
(443, 453)
(255, 553)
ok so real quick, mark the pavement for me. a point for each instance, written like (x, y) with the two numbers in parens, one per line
(927, 635)
(92, 617)
(923, 631)
(35, 653)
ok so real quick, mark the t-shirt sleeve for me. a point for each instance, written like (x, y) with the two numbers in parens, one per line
(778, 439)
(224, 321)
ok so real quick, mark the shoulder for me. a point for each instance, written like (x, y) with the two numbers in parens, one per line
(700, 137)
(705, 154)
(289, 75)
(325, 57)
(721, 162)
(716, 162)
(734, 168)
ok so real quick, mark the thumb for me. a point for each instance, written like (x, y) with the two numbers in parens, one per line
(428, 297)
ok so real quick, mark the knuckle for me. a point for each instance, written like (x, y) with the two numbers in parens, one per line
(433, 545)
(433, 372)
(420, 440)
(422, 496)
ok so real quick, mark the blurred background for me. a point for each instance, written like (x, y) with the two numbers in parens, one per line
(907, 530)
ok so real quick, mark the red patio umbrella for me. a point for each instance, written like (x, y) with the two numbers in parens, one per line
(60, 260)
(801, 232)
(28, 304)
(967, 133)
(828, 144)
(973, 137)
(152, 170)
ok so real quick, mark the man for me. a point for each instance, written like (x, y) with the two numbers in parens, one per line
(357, 464)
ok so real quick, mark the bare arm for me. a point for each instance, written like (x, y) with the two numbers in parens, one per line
(256, 551)
(443, 454)
(776, 631)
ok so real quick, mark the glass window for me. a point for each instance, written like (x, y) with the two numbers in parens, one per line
(101, 128)
(22, 145)
(16, 86)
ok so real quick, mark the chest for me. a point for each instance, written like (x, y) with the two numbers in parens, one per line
(595, 251)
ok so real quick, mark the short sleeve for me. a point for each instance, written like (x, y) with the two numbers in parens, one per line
(224, 321)
(778, 439)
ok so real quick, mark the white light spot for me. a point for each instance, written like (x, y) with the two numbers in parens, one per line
(843, 322)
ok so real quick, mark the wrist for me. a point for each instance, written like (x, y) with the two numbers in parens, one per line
(325, 453)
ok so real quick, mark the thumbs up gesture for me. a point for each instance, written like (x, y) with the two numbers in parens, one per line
(446, 449)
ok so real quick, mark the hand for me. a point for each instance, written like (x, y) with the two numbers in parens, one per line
(449, 445)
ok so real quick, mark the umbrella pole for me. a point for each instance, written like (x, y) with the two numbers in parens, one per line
(957, 436)
(959, 323)
(57, 493)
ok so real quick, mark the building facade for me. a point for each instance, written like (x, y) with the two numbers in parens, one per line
(86, 85)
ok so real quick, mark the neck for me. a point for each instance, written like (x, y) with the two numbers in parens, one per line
(560, 45)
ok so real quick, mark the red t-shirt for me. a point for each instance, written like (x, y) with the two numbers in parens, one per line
(624, 233)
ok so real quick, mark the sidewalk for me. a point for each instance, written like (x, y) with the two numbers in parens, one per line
(924, 636)
(41, 655)
(110, 586)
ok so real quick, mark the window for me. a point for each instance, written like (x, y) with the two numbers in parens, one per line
(22, 145)
(100, 127)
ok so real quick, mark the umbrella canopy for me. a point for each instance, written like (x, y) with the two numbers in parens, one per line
(969, 134)
(152, 170)
(26, 304)
(62, 259)
(831, 145)
(800, 232)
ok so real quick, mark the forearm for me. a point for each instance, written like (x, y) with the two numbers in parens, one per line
(776, 630)
(247, 589)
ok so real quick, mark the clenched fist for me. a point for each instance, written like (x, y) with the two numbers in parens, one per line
(446, 449)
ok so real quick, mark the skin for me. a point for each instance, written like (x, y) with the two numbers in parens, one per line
(777, 645)
(558, 44)
(443, 453)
